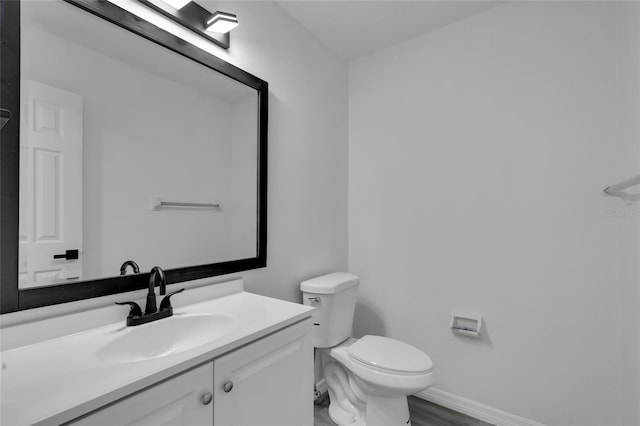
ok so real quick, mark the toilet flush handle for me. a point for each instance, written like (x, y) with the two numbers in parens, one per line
(314, 299)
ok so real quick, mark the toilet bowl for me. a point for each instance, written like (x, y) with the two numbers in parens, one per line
(365, 391)
(369, 378)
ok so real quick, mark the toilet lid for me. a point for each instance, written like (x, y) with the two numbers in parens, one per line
(390, 354)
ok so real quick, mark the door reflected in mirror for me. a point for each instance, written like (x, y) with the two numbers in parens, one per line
(110, 124)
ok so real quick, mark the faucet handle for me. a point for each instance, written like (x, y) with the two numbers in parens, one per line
(135, 311)
(166, 302)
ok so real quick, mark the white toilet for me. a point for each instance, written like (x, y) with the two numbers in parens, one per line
(369, 378)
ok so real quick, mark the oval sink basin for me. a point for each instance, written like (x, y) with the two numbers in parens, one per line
(164, 337)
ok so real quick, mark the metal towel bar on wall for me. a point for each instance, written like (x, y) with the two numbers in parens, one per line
(617, 190)
(158, 203)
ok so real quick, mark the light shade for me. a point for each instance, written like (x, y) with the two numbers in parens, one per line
(194, 17)
(221, 22)
(177, 4)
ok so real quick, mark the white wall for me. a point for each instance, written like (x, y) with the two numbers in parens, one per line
(477, 157)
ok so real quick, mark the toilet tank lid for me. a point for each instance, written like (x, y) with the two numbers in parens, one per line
(330, 283)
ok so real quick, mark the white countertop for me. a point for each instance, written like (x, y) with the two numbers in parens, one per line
(57, 380)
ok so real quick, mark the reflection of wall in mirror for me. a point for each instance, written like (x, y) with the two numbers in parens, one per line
(244, 176)
(139, 144)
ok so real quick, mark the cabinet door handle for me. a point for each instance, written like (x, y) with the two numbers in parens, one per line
(227, 386)
(207, 397)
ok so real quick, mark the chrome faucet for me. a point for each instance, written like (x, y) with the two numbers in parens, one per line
(134, 266)
(151, 312)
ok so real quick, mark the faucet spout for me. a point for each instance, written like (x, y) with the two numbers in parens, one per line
(134, 266)
(155, 274)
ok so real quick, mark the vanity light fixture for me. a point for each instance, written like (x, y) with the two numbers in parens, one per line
(222, 22)
(214, 27)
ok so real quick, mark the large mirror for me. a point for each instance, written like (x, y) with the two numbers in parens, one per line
(133, 146)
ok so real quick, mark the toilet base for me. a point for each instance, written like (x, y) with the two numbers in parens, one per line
(378, 411)
(350, 406)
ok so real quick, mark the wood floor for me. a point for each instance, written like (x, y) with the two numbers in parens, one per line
(423, 413)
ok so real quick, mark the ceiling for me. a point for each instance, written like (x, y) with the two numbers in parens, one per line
(357, 28)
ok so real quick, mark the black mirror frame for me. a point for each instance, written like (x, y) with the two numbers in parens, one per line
(11, 298)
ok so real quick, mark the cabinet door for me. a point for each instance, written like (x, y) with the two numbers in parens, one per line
(177, 401)
(268, 382)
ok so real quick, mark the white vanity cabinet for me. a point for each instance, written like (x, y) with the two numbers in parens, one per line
(181, 400)
(265, 382)
(268, 382)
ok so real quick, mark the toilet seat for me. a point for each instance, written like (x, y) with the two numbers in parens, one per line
(390, 355)
(376, 380)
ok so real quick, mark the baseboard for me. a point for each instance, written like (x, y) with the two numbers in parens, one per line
(475, 409)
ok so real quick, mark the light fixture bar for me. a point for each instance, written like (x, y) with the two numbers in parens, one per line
(191, 16)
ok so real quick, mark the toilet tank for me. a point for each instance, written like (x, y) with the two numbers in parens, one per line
(334, 297)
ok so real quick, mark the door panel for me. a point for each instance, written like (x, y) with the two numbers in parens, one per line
(50, 185)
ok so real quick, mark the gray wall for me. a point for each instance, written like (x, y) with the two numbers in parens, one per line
(477, 157)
